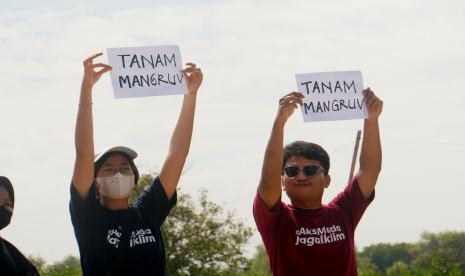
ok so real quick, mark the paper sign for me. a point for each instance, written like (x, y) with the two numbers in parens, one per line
(331, 96)
(146, 71)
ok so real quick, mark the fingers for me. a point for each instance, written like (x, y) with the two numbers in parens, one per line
(293, 97)
(190, 67)
(105, 68)
(191, 70)
(290, 100)
(192, 73)
(369, 96)
(89, 60)
(90, 67)
(367, 92)
(371, 99)
(297, 94)
(290, 105)
(100, 65)
(194, 77)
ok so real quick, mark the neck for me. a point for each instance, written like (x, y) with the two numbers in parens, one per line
(114, 204)
(306, 205)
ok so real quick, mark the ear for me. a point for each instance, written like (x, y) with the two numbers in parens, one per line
(327, 180)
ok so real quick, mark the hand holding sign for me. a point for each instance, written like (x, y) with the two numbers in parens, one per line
(91, 76)
(332, 96)
(373, 103)
(194, 77)
(146, 71)
(288, 104)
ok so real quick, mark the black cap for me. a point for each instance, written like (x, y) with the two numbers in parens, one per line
(5, 183)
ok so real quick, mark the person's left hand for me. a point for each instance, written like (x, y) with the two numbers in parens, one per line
(374, 104)
(194, 77)
(91, 74)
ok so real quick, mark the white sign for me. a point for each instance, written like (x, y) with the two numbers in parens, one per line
(332, 96)
(146, 71)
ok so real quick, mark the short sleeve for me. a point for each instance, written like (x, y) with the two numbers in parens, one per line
(352, 202)
(154, 204)
(82, 211)
(265, 219)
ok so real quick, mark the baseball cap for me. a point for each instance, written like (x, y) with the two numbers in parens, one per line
(128, 151)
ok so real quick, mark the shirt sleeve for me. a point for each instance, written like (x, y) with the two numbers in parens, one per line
(265, 219)
(352, 202)
(154, 204)
(82, 211)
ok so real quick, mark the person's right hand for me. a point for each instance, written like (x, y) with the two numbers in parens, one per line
(288, 104)
(91, 75)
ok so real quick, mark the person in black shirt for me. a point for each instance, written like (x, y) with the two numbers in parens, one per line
(115, 237)
(12, 261)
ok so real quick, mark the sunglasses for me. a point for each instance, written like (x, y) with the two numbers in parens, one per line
(308, 170)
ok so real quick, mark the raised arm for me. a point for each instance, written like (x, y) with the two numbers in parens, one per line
(370, 156)
(83, 175)
(269, 187)
(182, 134)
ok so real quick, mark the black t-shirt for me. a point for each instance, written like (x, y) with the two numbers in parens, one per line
(121, 242)
(13, 262)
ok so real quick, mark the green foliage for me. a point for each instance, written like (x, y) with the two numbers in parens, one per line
(200, 239)
(259, 265)
(38, 262)
(384, 255)
(144, 181)
(69, 266)
(366, 267)
(442, 253)
(400, 268)
(434, 255)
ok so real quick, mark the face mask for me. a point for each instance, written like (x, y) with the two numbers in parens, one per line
(5, 217)
(118, 186)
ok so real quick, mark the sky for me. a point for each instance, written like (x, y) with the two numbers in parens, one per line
(411, 53)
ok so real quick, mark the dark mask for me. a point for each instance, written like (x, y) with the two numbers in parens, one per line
(5, 217)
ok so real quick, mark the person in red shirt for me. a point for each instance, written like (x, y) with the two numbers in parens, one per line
(308, 237)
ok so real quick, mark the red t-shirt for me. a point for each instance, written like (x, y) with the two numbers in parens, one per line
(312, 242)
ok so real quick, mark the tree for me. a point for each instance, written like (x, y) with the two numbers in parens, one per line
(69, 266)
(365, 267)
(400, 268)
(384, 255)
(442, 253)
(435, 254)
(199, 238)
(38, 262)
(259, 265)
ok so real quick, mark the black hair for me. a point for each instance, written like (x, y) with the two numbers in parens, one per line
(99, 163)
(307, 150)
(5, 183)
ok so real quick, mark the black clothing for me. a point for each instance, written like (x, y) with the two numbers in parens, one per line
(121, 242)
(13, 262)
